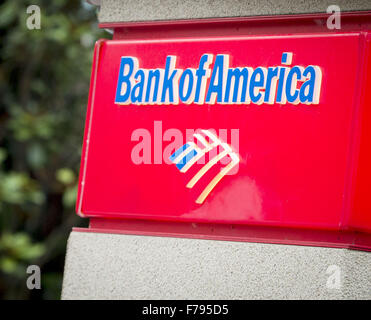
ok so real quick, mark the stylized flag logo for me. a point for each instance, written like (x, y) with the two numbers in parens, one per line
(190, 153)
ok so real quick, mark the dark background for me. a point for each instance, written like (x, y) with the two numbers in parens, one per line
(44, 83)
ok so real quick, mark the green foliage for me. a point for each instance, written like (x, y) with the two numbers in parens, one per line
(65, 176)
(17, 250)
(44, 83)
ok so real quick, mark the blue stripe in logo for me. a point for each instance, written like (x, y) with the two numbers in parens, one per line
(178, 152)
(185, 159)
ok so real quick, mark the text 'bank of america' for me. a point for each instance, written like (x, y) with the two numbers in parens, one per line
(239, 85)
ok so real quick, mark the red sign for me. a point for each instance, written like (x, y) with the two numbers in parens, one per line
(247, 130)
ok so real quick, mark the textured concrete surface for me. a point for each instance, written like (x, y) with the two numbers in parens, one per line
(106, 266)
(148, 10)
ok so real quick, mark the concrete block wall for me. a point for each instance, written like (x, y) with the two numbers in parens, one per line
(149, 10)
(113, 266)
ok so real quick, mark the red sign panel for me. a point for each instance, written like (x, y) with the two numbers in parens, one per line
(247, 130)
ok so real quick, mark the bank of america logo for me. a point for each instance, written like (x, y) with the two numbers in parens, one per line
(188, 154)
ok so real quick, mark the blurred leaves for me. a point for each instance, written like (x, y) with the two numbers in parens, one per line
(26, 126)
(44, 83)
(3, 155)
(8, 12)
(69, 196)
(65, 176)
(18, 188)
(17, 250)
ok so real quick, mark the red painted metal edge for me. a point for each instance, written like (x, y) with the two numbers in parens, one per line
(288, 24)
(241, 233)
(239, 26)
